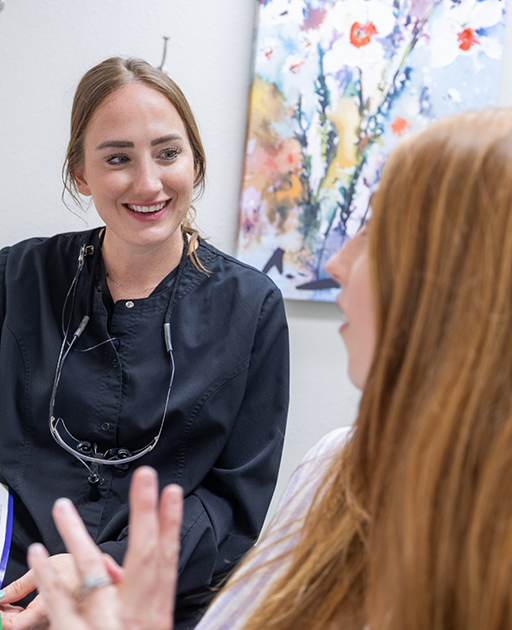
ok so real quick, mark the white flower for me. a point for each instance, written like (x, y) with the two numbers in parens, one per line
(458, 30)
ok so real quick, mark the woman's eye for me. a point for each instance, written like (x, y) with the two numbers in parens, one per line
(116, 160)
(170, 154)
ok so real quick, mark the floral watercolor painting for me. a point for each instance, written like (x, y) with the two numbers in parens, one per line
(336, 84)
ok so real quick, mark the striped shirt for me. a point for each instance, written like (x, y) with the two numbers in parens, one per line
(233, 606)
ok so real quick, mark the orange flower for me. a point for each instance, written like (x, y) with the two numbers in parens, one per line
(296, 66)
(467, 39)
(400, 126)
(361, 34)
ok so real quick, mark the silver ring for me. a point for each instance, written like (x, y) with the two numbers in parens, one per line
(90, 583)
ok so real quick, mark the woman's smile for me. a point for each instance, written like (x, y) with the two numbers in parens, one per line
(146, 209)
(152, 211)
(139, 169)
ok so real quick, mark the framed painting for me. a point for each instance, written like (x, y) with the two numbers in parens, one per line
(336, 84)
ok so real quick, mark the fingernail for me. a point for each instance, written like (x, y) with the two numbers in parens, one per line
(147, 475)
(63, 505)
(36, 548)
(2, 594)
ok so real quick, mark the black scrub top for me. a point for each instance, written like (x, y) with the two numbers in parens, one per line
(223, 433)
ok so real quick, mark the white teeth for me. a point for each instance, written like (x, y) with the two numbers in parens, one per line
(147, 209)
(344, 318)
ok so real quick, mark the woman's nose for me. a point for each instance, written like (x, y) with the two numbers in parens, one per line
(338, 265)
(147, 180)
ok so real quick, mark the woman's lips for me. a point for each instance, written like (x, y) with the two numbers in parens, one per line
(344, 318)
(147, 212)
(147, 209)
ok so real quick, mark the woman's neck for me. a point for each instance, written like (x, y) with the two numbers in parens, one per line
(133, 272)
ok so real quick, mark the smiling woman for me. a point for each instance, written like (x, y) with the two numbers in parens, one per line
(146, 343)
(139, 168)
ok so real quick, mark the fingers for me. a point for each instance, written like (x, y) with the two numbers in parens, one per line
(150, 565)
(143, 508)
(171, 513)
(19, 589)
(87, 556)
(59, 604)
(140, 560)
(8, 613)
(89, 562)
(113, 569)
(147, 583)
(32, 618)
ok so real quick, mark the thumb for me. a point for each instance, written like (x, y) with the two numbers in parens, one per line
(19, 588)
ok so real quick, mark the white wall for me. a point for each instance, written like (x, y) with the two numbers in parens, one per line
(45, 47)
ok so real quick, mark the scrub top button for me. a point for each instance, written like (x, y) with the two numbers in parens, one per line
(129, 304)
(115, 363)
(105, 426)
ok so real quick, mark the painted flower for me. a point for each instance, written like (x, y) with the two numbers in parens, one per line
(355, 35)
(399, 126)
(295, 67)
(466, 39)
(454, 29)
(361, 34)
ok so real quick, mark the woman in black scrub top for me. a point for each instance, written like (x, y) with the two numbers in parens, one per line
(137, 343)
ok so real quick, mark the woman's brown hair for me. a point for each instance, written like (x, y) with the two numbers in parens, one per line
(95, 87)
(413, 527)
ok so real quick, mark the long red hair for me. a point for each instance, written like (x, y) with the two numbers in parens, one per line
(413, 527)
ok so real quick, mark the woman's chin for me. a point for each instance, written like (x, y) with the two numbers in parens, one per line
(356, 377)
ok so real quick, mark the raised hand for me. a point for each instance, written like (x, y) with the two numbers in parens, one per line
(141, 596)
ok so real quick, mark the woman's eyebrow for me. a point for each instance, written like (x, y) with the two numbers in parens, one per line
(115, 144)
(169, 138)
(126, 144)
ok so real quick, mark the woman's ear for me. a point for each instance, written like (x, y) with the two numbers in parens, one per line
(81, 183)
